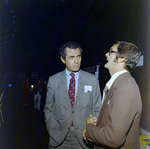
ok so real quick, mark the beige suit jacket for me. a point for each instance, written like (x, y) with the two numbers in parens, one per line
(58, 111)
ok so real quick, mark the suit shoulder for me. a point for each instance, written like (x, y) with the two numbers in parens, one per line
(125, 80)
(87, 73)
(57, 75)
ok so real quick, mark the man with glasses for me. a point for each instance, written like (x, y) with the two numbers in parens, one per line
(118, 123)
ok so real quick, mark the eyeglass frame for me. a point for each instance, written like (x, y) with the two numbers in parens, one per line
(112, 51)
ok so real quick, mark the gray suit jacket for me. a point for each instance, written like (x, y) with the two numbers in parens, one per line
(58, 111)
(119, 119)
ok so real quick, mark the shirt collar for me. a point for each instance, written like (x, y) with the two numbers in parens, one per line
(68, 73)
(113, 78)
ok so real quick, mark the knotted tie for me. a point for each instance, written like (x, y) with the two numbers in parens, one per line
(71, 90)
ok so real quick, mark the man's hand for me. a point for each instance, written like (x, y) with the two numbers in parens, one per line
(84, 135)
(90, 120)
(95, 120)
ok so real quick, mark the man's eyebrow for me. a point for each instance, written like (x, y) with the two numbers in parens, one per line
(75, 56)
(71, 56)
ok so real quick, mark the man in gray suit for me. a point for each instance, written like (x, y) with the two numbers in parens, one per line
(118, 123)
(65, 115)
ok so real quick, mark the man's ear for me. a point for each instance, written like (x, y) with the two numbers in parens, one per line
(121, 59)
(62, 60)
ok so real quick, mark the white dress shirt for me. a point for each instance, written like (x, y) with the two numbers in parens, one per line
(111, 81)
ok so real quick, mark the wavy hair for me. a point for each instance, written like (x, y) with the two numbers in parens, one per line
(129, 51)
(72, 45)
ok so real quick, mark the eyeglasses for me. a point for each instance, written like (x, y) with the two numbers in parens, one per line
(111, 51)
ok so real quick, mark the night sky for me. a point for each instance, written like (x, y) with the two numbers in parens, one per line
(31, 31)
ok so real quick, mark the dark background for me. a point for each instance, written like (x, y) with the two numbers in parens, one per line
(31, 32)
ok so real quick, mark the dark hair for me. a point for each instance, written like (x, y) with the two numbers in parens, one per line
(129, 51)
(72, 45)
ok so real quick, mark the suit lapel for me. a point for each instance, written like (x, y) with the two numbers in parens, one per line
(62, 86)
(110, 93)
(106, 100)
(81, 82)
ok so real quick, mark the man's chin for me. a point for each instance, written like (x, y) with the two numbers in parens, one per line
(76, 70)
(105, 65)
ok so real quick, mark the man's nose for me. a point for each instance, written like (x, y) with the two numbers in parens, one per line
(76, 60)
(107, 54)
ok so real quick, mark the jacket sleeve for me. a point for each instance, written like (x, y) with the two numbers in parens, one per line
(49, 103)
(96, 98)
(116, 119)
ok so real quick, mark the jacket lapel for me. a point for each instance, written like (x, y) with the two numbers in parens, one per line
(81, 82)
(62, 86)
(110, 93)
(106, 100)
